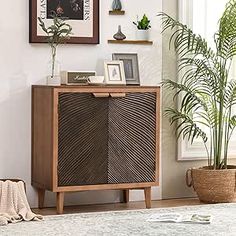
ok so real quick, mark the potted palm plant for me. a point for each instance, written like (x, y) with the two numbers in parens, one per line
(56, 33)
(206, 96)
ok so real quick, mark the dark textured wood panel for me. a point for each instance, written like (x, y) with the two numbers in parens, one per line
(99, 147)
(132, 138)
(83, 137)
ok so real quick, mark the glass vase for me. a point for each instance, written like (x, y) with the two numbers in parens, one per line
(54, 72)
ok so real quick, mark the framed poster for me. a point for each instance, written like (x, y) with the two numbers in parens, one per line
(83, 16)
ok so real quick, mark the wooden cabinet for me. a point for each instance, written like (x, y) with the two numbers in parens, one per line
(95, 138)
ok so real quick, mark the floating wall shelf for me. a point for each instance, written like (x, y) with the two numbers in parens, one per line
(144, 42)
(116, 12)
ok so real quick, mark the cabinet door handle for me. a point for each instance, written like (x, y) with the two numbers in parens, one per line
(101, 95)
(117, 95)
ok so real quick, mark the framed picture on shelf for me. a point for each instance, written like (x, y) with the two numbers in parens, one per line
(114, 73)
(83, 16)
(131, 67)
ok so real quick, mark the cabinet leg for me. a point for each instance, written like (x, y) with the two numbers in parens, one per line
(147, 193)
(126, 195)
(41, 197)
(60, 202)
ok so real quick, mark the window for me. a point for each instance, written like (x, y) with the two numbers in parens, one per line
(202, 18)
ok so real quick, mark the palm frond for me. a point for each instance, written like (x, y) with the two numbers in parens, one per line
(186, 126)
(230, 94)
(225, 38)
(184, 40)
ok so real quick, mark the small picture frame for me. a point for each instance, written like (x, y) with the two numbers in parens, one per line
(114, 73)
(131, 68)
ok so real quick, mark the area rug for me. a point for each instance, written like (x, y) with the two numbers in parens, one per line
(133, 222)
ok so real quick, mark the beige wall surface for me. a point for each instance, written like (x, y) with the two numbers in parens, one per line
(23, 64)
(173, 172)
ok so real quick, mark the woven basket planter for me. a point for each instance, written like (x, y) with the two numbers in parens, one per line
(213, 186)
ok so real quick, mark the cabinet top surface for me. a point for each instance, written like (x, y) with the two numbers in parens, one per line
(93, 86)
(97, 89)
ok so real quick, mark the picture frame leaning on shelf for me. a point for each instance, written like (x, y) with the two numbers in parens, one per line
(131, 67)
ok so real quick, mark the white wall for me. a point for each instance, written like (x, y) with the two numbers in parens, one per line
(23, 64)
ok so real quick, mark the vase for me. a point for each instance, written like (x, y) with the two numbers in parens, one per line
(119, 35)
(116, 5)
(142, 34)
(54, 73)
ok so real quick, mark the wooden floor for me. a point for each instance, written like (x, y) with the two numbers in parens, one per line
(120, 206)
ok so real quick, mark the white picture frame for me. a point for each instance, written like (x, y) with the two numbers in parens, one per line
(114, 73)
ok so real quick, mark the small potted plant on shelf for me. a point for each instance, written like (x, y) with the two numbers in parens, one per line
(143, 26)
(206, 96)
(56, 33)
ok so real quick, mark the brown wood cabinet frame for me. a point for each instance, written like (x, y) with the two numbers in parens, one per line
(45, 124)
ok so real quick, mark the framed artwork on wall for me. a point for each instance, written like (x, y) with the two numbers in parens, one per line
(114, 73)
(83, 16)
(130, 61)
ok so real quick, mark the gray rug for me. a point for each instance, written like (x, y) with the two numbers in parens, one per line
(129, 223)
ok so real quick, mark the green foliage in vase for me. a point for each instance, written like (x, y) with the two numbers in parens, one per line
(57, 33)
(143, 24)
(205, 92)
